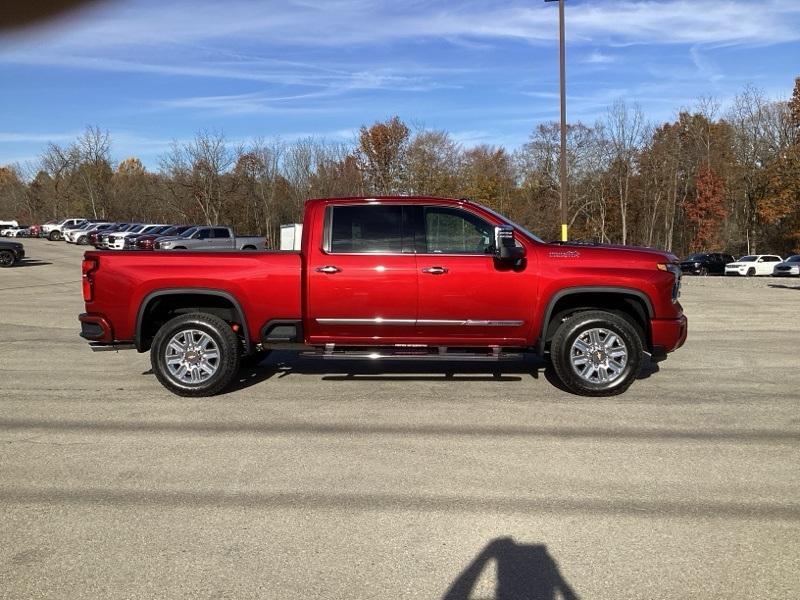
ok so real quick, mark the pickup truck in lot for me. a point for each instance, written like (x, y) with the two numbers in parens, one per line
(395, 277)
(209, 238)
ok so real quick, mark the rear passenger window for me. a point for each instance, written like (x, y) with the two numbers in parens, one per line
(221, 232)
(375, 228)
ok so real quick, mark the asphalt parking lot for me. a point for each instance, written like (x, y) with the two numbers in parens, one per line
(351, 481)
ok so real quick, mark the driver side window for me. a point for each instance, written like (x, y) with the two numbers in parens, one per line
(455, 231)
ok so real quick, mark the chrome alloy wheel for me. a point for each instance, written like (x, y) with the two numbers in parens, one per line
(192, 356)
(598, 355)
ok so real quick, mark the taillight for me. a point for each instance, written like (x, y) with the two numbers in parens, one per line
(88, 267)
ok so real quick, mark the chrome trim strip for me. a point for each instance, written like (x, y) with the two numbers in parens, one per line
(423, 322)
(375, 321)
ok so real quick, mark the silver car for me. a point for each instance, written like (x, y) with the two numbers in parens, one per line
(788, 268)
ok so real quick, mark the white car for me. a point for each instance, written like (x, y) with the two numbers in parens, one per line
(753, 264)
(54, 232)
(12, 231)
(788, 268)
(73, 234)
(116, 241)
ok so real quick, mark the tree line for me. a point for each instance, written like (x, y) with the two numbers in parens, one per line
(705, 181)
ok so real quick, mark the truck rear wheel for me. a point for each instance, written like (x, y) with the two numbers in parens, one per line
(55, 236)
(196, 354)
(596, 353)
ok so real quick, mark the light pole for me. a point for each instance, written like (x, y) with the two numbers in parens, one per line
(563, 155)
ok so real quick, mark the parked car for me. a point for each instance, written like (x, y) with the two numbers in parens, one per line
(706, 263)
(73, 234)
(89, 237)
(54, 231)
(211, 238)
(788, 268)
(752, 265)
(12, 223)
(154, 230)
(11, 253)
(116, 240)
(104, 238)
(14, 231)
(34, 231)
(411, 278)
(147, 242)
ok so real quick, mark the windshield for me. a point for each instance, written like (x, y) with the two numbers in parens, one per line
(748, 259)
(507, 221)
(795, 258)
(188, 233)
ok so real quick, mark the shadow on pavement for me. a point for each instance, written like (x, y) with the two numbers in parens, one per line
(784, 287)
(523, 572)
(31, 262)
(283, 364)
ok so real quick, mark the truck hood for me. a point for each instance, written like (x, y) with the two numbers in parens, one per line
(610, 252)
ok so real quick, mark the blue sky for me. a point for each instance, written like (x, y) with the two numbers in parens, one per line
(153, 71)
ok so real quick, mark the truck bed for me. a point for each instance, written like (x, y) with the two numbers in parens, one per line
(266, 285)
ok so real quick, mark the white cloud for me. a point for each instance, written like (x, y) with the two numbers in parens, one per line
(598, 58)
(332, 24)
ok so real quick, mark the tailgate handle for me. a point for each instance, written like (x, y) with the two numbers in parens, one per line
(435, 270)
(328, 269)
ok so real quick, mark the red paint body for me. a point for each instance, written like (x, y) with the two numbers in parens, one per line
(505, 305)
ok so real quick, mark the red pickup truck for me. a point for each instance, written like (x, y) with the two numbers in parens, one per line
(391, 277)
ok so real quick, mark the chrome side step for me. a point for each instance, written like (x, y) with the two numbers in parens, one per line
(100, 347)
(427, 354)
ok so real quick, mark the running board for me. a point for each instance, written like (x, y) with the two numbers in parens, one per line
(441, 354)
(100, 347)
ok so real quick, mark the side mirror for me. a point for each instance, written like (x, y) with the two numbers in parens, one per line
(505, 248)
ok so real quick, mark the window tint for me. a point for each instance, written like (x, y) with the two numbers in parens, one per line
(204, 234)
(454, 231)
(221, 232)
(367, 229)
(773, 259)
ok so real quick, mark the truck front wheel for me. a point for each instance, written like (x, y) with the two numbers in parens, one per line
(196, 354)
(596, 353)
(55, 236)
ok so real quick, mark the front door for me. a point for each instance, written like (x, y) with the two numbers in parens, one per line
(466, 296)
(362, 283)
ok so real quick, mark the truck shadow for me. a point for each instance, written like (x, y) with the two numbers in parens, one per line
(522, 571)
(284, 364)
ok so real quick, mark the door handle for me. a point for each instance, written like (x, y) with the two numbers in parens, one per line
(328, 269)
(435, 270)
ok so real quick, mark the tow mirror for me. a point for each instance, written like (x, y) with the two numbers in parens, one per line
(505, 247)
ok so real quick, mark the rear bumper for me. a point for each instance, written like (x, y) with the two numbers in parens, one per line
(96, 328)
(668, 334)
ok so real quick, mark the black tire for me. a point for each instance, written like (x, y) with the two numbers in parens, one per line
(7, 258)
(578, 325)
(227, 343)
(82, 241)
(55, 236)
(179, 248)
(751, 272)
(249, 248)
(703, 271)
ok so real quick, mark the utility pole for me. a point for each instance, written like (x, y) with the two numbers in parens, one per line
(563, 155)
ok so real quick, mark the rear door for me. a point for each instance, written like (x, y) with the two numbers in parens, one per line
(222, 238)
(362, 281)
(466, 296)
